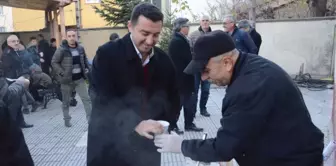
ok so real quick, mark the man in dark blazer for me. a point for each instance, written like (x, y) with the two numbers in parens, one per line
(135, 85)
(180, 52)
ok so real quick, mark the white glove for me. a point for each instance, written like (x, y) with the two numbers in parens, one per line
(168, 143)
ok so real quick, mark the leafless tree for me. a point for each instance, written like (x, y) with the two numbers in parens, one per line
(317, 8)
(211, 11)
(219, 8)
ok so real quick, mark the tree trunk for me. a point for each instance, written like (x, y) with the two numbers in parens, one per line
(317, 8)
(252, 12)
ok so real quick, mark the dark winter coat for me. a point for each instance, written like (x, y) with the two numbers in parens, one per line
(265, 121)
(43, 46)
(244, 41)
(123, 100)
(256, 38)
(62, 62)
(13, 63)
(180, 52)
(34, 53)
(13, 148)
(50, 53)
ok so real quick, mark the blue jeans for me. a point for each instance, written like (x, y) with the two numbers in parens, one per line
(205, 91)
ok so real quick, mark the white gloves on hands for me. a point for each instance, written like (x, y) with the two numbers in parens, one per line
(168, 143)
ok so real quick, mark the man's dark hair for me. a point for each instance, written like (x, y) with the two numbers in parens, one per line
(147, 10)
(114, 36)
(52, 40)
(32, 38)
(41, 36)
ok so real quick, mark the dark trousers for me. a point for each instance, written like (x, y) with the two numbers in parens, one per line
(45, 68)
(14, 102)
(188, 104)
(205, 91)
(33, 89)
(17, 116)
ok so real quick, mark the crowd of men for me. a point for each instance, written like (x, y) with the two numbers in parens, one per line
(133, 84)
(29, 71)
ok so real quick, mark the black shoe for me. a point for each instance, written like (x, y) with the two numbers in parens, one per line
(34, 107)
(205, 113)
(73, 103)
(25, 111)
(177, 131)
(193, 127)
(25, 125)
(67, 123)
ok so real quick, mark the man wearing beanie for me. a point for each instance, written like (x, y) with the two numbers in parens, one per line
(247, 27)
(205, 85)
(179, 51)
(265, 121)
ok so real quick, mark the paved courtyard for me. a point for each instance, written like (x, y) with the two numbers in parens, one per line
(52, 144)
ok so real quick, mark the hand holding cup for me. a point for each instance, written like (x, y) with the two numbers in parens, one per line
(147, 128)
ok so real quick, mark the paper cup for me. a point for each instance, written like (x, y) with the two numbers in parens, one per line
(165, 125)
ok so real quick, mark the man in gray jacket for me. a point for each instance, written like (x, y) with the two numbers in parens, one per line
(205, 85)
(71, 66)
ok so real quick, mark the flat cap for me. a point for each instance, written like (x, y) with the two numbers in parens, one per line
(207, 46)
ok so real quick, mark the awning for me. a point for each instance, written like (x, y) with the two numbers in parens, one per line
(35, 4)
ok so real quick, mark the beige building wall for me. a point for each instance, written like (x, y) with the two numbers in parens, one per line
(293, 43)
(91, 39)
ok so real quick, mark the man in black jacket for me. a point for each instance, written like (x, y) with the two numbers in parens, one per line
(135, 85)
(247, 27)
(12, 58)
(46, 66)
(43, 49)
(13, 67)
(265, 120)
(180, 52)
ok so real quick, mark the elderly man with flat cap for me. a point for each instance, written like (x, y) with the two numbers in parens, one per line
(265, 121)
